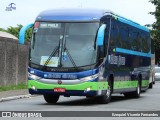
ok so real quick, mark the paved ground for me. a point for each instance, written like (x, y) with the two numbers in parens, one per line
(149, 101)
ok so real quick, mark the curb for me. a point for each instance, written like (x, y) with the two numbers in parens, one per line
(15, 97)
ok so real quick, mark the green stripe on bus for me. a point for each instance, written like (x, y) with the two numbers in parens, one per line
(92, 85)
(125, 84)
(129, 84)
(82, 86)
(145, 83)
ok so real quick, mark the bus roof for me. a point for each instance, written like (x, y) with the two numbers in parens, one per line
(83, 15)
(71, 14)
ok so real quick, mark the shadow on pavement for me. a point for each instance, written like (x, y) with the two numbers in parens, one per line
(89, 101)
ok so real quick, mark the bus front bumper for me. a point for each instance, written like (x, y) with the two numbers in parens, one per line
(67, 93)
(82, 89)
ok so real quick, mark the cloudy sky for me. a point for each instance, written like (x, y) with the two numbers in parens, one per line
(27, 10)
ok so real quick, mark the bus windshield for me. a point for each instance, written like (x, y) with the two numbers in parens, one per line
(64, 44)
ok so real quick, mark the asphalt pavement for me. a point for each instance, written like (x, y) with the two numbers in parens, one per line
(149, 101)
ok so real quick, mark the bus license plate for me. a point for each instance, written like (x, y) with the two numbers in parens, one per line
(59, 90)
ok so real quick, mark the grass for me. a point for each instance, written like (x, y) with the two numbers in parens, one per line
(13, 87)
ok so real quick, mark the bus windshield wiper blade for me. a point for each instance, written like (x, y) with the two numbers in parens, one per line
(71, 59)
(51, 55)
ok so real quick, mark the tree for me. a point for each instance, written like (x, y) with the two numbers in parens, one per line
(155, 32)
(15, 31)
(28, 34)
(1, 29)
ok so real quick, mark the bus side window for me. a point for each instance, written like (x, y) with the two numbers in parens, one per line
(113, 35)
(128, 43)
(136, 42)
(145, 43)
(106, 39)
(121, 37)
(124, 41)
(106, 35)
(130, 37)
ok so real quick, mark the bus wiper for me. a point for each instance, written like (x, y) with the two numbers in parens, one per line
(70, 57)
(51, 55)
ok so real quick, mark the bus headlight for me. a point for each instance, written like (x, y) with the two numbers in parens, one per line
(34, 77)
(89, 77)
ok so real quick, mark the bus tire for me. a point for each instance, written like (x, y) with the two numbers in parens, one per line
(105, 99)
(135, 94)
(153, 82)
(151, 85)
(51, 98)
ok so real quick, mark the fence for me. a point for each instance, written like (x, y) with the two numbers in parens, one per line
(13, 62)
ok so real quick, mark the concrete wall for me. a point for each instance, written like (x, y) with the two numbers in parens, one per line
(13, 62)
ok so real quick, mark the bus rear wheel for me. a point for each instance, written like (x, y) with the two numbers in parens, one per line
(51, 98)
(135, 94)
(105, 99)
(151, 85)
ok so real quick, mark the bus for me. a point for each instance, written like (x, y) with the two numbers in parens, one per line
(152, 68)
(87, 52)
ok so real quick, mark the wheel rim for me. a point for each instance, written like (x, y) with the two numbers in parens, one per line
(108, 91)
(138, 89)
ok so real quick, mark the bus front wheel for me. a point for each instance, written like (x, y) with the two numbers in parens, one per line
(105, 99)
(51, 98)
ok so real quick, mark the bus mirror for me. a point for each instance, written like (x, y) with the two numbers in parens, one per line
(22, 33)
(100, 35)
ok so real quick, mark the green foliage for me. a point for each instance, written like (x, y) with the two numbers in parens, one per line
(15, 31)
(1, 29)
(13, 87)
(156, 25)
(155, 32)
